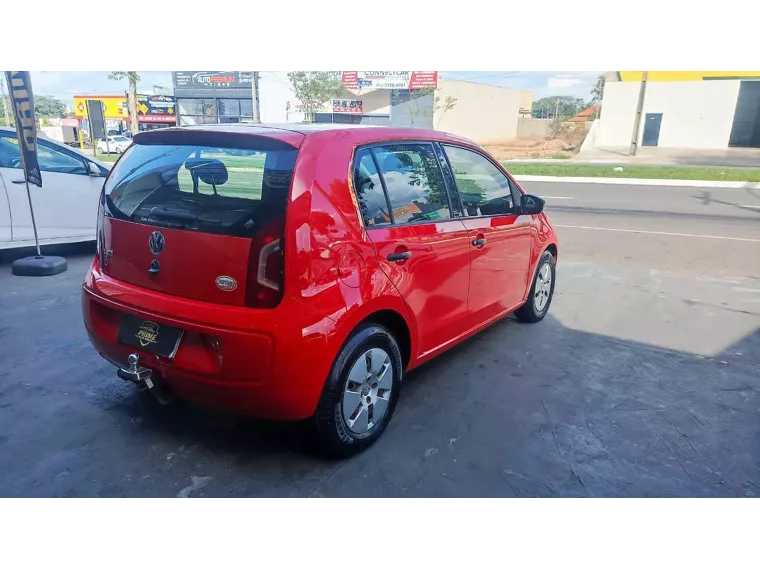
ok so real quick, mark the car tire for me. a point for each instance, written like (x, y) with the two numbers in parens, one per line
(541, 293)
(336, 435)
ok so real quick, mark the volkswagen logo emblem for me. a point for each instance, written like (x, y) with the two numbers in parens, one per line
(156, 243)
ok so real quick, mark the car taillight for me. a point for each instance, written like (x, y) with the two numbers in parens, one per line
(99, 228)
(265, 267)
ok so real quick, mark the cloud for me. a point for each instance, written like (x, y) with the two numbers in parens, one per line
(563, 82)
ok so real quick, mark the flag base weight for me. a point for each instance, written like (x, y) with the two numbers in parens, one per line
(39, 266)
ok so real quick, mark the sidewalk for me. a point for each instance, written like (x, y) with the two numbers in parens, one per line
(640, 182)
(655, 156)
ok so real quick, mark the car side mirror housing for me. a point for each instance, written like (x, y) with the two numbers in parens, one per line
(93, 170)
(531, 205)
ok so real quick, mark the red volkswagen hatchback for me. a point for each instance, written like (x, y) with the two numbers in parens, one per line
(299, 271)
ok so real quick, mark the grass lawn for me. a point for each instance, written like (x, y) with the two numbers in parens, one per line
(645, 172)
(104, 157)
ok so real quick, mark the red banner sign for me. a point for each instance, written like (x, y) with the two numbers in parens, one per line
(157, 118)
(388, 79)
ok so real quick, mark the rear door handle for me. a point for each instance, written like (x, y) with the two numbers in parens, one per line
(396, 257)
(478, 242)
(19, 181)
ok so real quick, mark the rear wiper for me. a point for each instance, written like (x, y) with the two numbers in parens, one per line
(163, 212)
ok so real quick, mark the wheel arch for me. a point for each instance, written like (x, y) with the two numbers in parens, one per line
(398, 326)
(391, 313)
(552, 248)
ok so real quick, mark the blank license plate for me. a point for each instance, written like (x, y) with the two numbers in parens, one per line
(148, 335)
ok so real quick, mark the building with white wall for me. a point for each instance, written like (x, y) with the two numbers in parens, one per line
(689, 110)
(483, 113)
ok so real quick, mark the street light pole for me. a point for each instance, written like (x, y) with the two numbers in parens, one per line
(5, 103)
(639, 110)
(255, 98)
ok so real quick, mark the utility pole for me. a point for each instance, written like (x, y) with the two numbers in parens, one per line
(639, 110)
(5, 103)
(255, 96)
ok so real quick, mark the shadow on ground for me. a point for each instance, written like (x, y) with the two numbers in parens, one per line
(519, 410)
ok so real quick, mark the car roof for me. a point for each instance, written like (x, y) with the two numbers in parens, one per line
(75, 150)
(285, 131)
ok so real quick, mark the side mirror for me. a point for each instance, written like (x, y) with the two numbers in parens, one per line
(93, 170)
(531, 205)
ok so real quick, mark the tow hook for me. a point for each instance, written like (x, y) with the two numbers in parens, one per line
(143, 378)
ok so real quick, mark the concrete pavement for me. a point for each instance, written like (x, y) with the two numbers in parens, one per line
(642, 381)
(651, 155)
(654, 201)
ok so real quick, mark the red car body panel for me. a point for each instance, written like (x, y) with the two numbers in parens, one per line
(273, 362)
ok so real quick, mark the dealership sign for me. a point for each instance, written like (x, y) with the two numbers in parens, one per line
(387, 79)
(347, 106)
(156, 109)
(212, 79)
(114, 106)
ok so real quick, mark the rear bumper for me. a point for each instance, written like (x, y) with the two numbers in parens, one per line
(266, 363)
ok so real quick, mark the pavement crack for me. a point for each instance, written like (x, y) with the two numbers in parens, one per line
(521, 476)
(315, 491)
(551, 426)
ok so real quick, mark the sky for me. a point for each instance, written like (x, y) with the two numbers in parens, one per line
(65, 84)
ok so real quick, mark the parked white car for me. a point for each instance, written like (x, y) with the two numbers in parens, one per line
(116, 144)
(65, 207)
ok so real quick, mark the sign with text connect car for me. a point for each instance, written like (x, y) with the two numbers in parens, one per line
(22, 103)
(114, 106)
(212, 79)
(388, 79)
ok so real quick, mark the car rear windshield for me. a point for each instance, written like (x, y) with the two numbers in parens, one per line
(228, 191)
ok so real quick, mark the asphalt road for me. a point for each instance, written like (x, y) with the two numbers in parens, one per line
(642, 381)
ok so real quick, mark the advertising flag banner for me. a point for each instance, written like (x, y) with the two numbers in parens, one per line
(22, 103)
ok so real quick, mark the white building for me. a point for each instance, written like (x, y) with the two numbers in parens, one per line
(694, 110)
(483, 113)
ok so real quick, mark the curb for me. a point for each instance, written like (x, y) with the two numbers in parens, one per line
(640, 182)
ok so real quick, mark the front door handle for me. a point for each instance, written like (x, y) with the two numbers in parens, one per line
(396, 257)
(479, 242)
(19, 181)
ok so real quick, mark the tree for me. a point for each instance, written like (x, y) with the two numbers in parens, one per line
(313, 89)
(50, 107)
(444, 106)
(558, 107)
(418, 106)
(45, 108)
(597, 93)
(133, 78)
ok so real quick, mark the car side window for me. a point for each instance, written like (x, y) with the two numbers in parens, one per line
(414, 182)
(369, 190)
(53, 160)
(10, 154)
(483, 188)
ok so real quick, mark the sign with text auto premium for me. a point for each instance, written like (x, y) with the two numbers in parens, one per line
(212, 79)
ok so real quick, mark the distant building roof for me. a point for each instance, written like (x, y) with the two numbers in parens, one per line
(585, 115)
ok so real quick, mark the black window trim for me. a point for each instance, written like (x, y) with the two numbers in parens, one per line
(449, 180)
(514, 189)
(371, 146)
